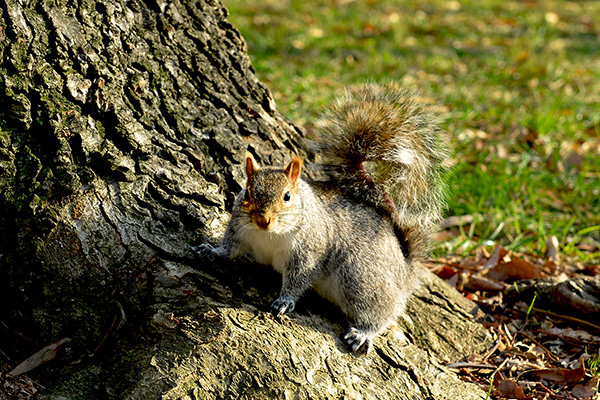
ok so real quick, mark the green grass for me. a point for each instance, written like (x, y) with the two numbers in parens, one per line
(517, 84)
(593, 368)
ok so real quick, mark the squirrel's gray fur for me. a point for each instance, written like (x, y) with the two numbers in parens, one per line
(355, 237)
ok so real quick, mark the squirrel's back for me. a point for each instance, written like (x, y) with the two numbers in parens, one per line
(382, 147)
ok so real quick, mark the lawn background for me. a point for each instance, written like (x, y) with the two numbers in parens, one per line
(516, 84)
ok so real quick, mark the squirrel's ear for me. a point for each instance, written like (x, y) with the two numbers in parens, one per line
(251, 165)
(294, 169)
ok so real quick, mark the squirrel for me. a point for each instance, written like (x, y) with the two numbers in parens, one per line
(356, 236)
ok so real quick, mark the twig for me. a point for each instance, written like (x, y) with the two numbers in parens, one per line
(16, 332)
(493, 376)
(568, 318)
(493, 349)
(552, 356)
(499, 368)
(105, 336)
(5, 356)
(546, 389)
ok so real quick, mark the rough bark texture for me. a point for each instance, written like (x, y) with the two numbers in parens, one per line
(122, 129)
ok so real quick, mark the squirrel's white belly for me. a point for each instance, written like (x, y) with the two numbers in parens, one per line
(269, 248)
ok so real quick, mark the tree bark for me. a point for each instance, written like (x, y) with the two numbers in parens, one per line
(123, 126)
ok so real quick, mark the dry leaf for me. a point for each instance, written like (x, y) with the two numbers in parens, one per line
(513, 268)
(41, 357)
(453, 280)
(486, 284)
(585, 391)
(493, 260)
(446, 272)
(511, 390)
(559, 374)
(571, 333)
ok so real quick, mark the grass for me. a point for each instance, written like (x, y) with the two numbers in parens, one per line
(593, 368)
(517, 84)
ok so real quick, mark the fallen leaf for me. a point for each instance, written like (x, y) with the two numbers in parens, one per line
(571, 333)
(446, 272)
(511, 390)
(512, 268)
(559, 374)
(41, 357)
(549, 268)
(585, 391)
(452, 281)
(475, 283)
(493, 260)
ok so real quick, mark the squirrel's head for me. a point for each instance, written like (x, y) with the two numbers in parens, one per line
(271, 194)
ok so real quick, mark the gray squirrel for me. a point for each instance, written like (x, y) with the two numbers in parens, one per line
(355, 237)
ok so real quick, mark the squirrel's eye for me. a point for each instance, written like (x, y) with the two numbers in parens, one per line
(287, 196)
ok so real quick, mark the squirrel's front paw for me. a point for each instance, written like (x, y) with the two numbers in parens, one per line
(208, 252)
(359, 341)
(282, 305)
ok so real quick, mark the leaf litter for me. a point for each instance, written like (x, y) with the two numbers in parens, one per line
(545, 316)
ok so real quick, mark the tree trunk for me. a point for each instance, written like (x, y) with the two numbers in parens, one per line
(123, 126)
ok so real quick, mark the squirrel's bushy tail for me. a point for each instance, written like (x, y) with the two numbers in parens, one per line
(380, 146)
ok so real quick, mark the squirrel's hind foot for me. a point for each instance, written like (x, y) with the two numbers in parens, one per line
(283, 305)
(358, 340)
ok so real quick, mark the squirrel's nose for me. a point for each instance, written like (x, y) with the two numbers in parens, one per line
(262, 221)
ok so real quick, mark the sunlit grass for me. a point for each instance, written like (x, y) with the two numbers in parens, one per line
(517, 84)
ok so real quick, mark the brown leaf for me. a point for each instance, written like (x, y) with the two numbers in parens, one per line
(511, 390)
(559, 374)
(513, 268)
(570, 333)
(446, 272)
(475, 283)
(585, 391)
(41, 357)
(549, 268)
(493, 260)
(453, 280)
